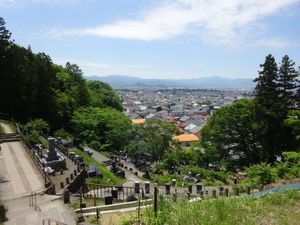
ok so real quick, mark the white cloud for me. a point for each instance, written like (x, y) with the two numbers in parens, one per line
(100, 68)
(222, 22)
(17, 3)
(274, 43)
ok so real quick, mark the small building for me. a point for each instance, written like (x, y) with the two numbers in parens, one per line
(138, 121)
(186, 139)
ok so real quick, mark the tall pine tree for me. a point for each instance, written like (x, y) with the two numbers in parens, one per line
(4, 33)
(268, 121)
(287, 84)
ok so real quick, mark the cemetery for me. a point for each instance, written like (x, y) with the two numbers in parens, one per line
(121, 181)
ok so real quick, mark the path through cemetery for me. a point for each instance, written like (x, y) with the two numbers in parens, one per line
(19, 175)
(19, 178)
(6, 128)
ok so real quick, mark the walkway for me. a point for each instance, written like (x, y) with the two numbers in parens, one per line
(19, 177)
(6, 128)
(48, 207)
(19, 172)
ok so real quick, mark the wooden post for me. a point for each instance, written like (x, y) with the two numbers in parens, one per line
(95, 200)
(248, 190)
(175, 195)
(226, 192)
(80, 200)
(97, 214)
(214, 193)
(155, 201)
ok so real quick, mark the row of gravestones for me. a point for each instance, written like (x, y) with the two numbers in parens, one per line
(199, 190)
(72, 176)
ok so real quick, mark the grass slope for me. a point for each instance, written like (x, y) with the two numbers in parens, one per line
(108, 177)
(275, 209)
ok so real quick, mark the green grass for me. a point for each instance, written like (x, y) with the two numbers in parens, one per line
(108, 177)
(43, 141)
(161, 180)
(12, 126)
(276, 209)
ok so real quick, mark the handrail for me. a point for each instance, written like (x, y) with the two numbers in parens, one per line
(48, 220)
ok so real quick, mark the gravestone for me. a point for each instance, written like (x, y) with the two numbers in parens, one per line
(114, 193)
(92, 170)
(199, 187)
(147, 187)
(108, 200)
(167, 185)
(173, 182)
(137, 187)
(52, 154)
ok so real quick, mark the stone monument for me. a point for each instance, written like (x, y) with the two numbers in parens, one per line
(52, 158)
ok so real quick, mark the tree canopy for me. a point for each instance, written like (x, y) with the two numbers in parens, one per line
(230, 132)
(109, 127)
(258, 130)
(32, 86)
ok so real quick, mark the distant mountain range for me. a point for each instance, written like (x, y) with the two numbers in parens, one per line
(120, 81)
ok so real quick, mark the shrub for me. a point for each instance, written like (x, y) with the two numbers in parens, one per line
(95, 145)
(261, 174)
(33, 138)
(63, 134)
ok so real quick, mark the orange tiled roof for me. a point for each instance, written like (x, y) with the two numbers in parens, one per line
(186, 138)
(138, 121)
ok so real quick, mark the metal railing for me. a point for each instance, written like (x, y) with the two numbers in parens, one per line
(120, 192)
(50, 221)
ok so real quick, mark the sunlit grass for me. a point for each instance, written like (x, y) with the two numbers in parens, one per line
(108, 177)
(277, 209)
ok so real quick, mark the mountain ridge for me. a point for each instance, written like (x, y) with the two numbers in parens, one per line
(125, 81)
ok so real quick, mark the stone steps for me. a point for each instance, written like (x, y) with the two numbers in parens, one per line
(9, 137)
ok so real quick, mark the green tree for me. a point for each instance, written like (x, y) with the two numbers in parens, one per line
(107, 126)
(152, 139)
(287, 83)
(4, 32)
(293, 122)
(267, 111)
(37, 125)
(229, 135)
(102, 95)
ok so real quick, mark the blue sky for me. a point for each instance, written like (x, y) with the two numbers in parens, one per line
(158, 38)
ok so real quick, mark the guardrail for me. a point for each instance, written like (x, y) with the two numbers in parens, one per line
(50, 221)
(118, 192)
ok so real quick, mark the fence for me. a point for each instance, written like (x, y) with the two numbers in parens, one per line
(120, 193)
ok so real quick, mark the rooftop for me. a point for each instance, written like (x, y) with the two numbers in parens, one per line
(138, 121)
(186, 138)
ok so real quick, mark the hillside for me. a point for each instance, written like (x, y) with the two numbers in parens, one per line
(276, 209)
(214, 82)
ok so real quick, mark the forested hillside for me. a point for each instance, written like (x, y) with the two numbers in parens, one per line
(32, 86)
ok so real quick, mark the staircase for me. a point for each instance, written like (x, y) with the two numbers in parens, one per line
(9, 137)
